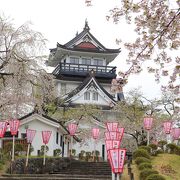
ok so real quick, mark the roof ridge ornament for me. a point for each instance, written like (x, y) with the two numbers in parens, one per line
(86, 27)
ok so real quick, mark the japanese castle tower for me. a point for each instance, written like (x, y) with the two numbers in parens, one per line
(83, 76)
(82, 72)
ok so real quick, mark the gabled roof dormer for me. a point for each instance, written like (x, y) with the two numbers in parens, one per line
(90, 85)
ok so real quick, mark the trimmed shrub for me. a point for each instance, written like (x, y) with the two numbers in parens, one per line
(57, 152)
(1, 166)
(141, 153)
(147, 172)
(159, 151)
(155, 177)
(172, 148)
(140, 160)
(153, 149)
(147, 148)
(153, 146)
(162, 144)
(88, 156)
(145, 166)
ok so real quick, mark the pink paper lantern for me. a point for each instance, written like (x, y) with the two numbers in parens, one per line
(148, 123)
(112, 135)
(121, 132)
(167, 127)
(117, 158)
(46, 136)
(3, 127)
(95, 133)
(72, 128)
(14, 126)
(175, 133)
(112, 126)
(30, 135)
(111, 144)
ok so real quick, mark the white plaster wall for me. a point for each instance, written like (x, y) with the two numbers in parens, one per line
(37, 141)
(101, 100)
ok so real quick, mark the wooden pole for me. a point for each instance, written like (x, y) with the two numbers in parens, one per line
(147, 137)
(27, 154)
(71, 146)
(13, 148)
(94, 150)
(44, 159)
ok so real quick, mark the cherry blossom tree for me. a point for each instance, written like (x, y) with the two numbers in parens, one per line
(23, 81)
(157, 24)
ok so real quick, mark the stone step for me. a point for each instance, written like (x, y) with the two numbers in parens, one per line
(54, 177)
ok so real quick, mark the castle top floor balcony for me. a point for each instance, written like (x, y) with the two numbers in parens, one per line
(71, 69)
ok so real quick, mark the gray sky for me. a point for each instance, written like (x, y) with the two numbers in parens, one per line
(59, 20)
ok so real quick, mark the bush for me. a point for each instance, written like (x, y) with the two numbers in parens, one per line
(57, 152)
(42, 149)
(140, 160)
(82, 155)
(162, 144)
(159, 151)
(1, 166)
(88, 156)
(153, 149)
(73, 152)
(145, 166)
(147, 148)
(147, 172)
(141, 153)
(172, 148)
(155, 177)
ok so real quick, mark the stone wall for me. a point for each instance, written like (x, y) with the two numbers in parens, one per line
(35, 165)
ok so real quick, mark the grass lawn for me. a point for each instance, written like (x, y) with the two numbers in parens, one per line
(168, 165)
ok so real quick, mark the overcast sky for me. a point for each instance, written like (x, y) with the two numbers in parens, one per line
(59, 21)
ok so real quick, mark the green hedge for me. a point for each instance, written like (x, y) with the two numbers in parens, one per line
(155, 177)
(143, 166)
(147, 148)
(147, 172)
(140, 160)
(141, 153)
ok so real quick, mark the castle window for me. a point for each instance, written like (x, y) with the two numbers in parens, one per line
(87, 96)
(86, 61)
(95, 96)
(98, 62)
(74, 60)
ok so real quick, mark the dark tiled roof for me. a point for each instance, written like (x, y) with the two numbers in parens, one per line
(86, 31)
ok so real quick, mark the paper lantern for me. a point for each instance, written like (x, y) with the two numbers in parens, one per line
(46, 136)
(167, 127)
(175, 133)
(111, 144)
(14, 126)
(112, 126)
(121, 133)
(72, 128)
(117, 158)
(3, 127)
(148, 123)
(95, 133)
(30, 135)
(112, 135)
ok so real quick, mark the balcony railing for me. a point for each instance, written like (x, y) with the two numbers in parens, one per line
(83, 69)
